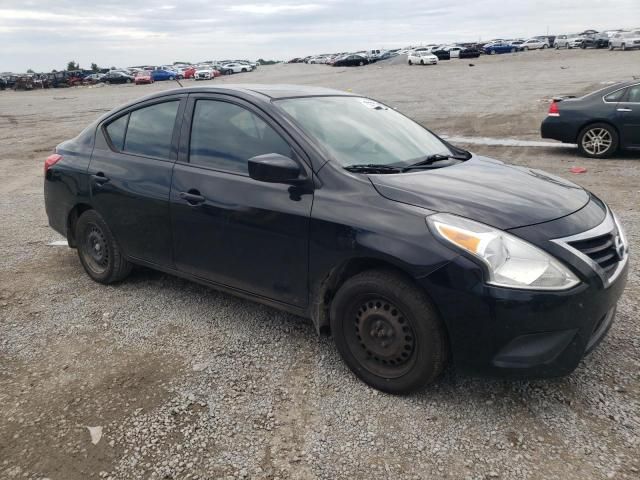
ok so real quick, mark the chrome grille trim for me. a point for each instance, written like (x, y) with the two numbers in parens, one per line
(607, 227)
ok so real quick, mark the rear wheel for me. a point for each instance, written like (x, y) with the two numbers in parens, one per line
(525, 49)
(410, 62)
(421, 62)
(361, 63)
(128, 80)
(623, 46)
(492, 52)
(99, 252)
(598, 140)
(544, 46)
(387, 331)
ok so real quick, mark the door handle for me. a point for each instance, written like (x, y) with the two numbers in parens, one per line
(625, 110)
(99, 179)
(192, 197)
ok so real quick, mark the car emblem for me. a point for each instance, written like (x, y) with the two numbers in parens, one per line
(619, 247)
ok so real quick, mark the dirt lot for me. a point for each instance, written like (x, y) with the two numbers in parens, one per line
(186, 382)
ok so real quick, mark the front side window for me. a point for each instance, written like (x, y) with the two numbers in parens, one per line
(150, 130)
(356, 131)
(225, 136)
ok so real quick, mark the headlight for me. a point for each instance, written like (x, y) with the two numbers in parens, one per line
(511, 262)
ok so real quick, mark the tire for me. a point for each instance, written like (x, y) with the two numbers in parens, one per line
(397, 343)
(492, 52)
(421, 62)
(598, 140)
(361, 64)
(107, 82)
(525, 49)
(513, 50)
(98, 250)
(243, 70)
(172, 78)
(557, 46)
(610, 47)
(228, 72)
(544, 46)
(128, 80)
(410, 62)
(583, 46)
(623, 47)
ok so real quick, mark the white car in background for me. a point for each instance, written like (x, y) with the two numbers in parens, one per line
(625, 40)
(534, 44)
(422, 58)
(567, 41)
(204, 73)
(237, 67)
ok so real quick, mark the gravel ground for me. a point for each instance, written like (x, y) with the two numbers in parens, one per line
(179, 381)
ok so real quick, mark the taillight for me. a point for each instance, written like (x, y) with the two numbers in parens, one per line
(51, 161)
(554, 111)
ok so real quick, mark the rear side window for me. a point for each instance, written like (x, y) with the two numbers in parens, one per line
(150, 130)
(615, 96)
(116, 131)
(634, 94)
(225, 136)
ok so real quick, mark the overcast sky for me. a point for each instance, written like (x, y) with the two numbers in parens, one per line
(47, 34)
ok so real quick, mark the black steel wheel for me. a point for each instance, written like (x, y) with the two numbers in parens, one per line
(99, 253)
(387, 331)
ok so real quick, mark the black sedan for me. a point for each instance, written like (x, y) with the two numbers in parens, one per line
(351, 61)
(600, 123)
(117, 77)
(411, 252)
(442, 54)
(469, 53)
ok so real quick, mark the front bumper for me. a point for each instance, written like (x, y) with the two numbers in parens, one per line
(509, 332)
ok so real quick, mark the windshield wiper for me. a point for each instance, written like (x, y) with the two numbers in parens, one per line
(431, 159)
(373, 168)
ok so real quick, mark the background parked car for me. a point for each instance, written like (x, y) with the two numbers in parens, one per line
(600, 123)
(143, 77)
(625, 40)
(496, 48)
(205, 73)
(594, 39)
(117, 77)
(534, 44)
(422, 58)
(469, 52)
(351, 61)
(160, 75)
(567, 41)
(237, 67)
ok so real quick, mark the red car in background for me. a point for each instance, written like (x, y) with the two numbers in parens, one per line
(143, 77)
(188, 72)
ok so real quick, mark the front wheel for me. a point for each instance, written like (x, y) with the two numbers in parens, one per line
(599, 140)
(361, 64)
(526, 49)
(544, 47)
(410, 62)
(128, 80)
(388, 332)
(98, 250)
(623, 46)
(492, 52)
(610, 47)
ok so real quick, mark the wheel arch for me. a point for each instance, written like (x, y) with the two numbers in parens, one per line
(72, 220)
(327, 287)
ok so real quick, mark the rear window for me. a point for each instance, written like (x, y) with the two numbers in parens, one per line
(615, 96)
(116, 130)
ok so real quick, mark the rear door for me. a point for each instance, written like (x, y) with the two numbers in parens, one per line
(130, 171)
(231, 229)
(628, 114)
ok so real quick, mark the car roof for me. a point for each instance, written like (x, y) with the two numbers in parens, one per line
(259, 90)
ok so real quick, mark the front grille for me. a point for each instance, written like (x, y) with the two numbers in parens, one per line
(600, 249)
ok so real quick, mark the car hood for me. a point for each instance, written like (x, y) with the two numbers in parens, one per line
(486, 190)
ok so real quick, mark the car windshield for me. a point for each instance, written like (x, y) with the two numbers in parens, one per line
(356, 131)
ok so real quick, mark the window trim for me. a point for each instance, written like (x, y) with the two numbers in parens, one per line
(175, 135)
(298, 156)
(621, 88)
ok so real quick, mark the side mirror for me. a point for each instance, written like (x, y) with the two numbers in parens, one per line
(274, 168)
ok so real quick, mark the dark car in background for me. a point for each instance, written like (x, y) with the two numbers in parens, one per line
(469, 52)
(412, 252)
(117, 77)
(3, 84)
(600, 123)
(351, 61)
(594, 39)
(498, 47)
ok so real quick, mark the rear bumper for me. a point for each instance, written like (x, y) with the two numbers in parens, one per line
(519, 333)
(557, 129)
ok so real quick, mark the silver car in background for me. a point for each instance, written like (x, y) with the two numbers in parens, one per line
(625, 40)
